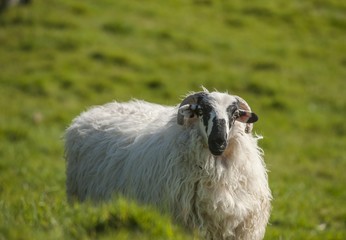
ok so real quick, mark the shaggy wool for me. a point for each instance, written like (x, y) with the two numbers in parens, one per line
(138, 150)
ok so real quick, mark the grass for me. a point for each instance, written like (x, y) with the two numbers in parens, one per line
(286, 58)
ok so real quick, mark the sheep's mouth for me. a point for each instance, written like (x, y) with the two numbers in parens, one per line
(217, 145)
(217, 151)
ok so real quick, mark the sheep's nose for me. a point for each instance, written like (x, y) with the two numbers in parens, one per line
(220, 142)
(218, 137)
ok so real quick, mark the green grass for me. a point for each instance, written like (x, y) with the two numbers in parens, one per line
(286, 58)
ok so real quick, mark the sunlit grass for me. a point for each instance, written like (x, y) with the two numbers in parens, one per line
(286, 58)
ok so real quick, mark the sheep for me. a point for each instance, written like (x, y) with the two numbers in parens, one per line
(197, 161)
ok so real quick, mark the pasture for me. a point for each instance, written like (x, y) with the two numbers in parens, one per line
(286, 58)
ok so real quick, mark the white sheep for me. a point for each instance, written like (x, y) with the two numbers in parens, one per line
(197, 161)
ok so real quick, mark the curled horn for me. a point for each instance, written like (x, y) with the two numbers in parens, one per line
(191, 99)
(244, 106)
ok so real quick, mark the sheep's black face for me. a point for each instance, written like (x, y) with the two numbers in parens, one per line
(218, 138)
(216, 123)
(217, 113)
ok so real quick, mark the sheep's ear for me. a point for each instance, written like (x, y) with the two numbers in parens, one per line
(247, 117)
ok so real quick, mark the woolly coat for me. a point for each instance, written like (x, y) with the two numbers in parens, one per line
(137, 149)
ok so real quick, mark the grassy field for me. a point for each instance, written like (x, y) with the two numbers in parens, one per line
(286, 58)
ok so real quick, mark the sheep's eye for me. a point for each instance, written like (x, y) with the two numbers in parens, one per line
(203, 109)
(232, 114)
(199, 111)
(231, 110)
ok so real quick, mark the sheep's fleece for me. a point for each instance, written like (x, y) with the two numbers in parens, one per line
(205, 168)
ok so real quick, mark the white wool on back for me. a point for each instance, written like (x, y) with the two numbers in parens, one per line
(137, 149)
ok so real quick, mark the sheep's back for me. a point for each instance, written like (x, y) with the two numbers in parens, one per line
(98, 142)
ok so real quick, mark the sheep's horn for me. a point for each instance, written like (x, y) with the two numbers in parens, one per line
(191, 99)
(243, 104)
(247, 111)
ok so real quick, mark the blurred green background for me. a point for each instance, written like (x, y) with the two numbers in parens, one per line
(286, 58)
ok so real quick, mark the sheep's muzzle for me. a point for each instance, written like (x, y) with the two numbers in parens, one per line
(217, 139)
